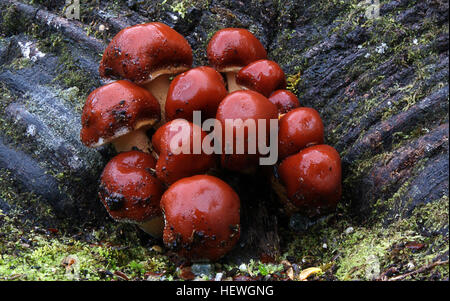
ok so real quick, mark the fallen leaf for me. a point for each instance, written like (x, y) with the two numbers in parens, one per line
(153, 276)
(414, 245)
(157, 249)
(308, 272)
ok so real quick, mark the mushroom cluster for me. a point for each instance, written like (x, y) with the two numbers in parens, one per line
(162, 181)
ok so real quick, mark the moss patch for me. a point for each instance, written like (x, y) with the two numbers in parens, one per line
(353, 251)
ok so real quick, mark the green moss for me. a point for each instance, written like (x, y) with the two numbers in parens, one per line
(72, 75)
(180, 7)
(20, 63)
(292, 82)
(363, 166)
(50, 43)
(368, 250)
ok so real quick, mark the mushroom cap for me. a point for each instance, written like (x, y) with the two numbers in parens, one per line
(199, 89)
(262, 76)
(172, 163)
(299, 128)
(142, 52)
(312, 179)
(244, 105)
(233, 48)
(285, 101)
(116, 109)
(202, 218)
(129, 190)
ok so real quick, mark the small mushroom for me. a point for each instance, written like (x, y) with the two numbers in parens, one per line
(299, 128)
(177, 156)
(230, 49)
(312, 179)
(202, 219)
(120, 113)
(131, 193)
(241, 108)
(262, 76)
(199, 89)
(285, 101)
(147, 54)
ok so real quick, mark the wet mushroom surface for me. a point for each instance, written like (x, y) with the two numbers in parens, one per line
(174, 144)
(263, 76)
(199, 89)
(285, 101)
(120, 113)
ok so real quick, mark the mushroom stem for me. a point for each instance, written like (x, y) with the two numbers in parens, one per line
(231, 80)
(159, 88)
(136, 139)
(154, 227)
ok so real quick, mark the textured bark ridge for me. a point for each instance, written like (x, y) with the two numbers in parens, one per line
(380, 85)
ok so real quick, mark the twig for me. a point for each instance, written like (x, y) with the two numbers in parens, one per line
(420, 270)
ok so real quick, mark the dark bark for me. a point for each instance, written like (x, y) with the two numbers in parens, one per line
(385, 108)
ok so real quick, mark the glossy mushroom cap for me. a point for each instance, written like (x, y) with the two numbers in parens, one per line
(202, 219)
(175, 163)
(130, 192)
(312, 179)
(142, 52)
(299, 128)
(285, 101)
(115, 110)
(262, 76)
(230, 49)
(199, 89)
(248, 106)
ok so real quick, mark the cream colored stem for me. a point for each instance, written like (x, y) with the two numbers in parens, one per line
(231, 80)
(154, 227)
(159, 88)
(136, 139)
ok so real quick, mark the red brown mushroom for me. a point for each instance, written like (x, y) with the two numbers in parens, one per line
(131, 193)
(312, 179)
(202, 219)
(147, 54)
(299, 128)
(120, 113)
(178, 157)
(240, 108)
(199, 89)
(230, 49)
(285, 101)
(262, 76)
